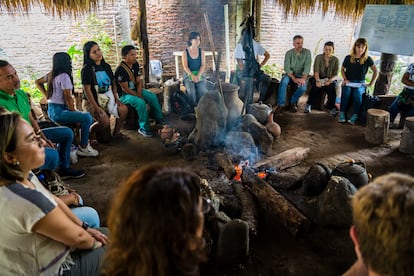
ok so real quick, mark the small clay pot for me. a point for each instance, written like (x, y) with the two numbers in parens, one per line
(272, 126)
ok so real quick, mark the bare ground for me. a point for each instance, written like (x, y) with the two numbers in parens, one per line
(323, 251)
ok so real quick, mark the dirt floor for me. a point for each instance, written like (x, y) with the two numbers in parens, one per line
(323, 251)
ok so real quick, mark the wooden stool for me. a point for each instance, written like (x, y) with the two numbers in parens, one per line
(407, 137)
(376, 130)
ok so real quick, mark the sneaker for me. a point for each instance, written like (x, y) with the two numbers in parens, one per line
(144, 132)
(332, 112)
(87, 151)
(341, 117)
(308, 108)
(293, 107)
(353, 119)
(67, 173)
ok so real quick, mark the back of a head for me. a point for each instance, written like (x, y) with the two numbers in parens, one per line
(384, 224)
(61, 63)
(152, 223)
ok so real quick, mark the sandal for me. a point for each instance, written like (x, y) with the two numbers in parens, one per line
(121, 136)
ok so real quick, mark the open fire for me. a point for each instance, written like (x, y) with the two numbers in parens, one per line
(262, 173)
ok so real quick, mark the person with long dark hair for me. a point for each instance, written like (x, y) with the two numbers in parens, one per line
(40, 235)
(100, 96)
(354, 70)
(61, 108)
(324, 80)
(194, 64)
(156, 224)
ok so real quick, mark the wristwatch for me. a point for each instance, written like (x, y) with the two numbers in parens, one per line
(85, 225)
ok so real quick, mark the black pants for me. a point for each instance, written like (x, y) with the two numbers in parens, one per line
(330, 90)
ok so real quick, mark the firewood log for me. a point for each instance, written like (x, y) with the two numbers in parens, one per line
(250, 212)
(284, 160)
(275, 205)
(225, 162)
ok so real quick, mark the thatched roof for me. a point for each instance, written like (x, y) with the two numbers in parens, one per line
(345, 8)
(59, 7)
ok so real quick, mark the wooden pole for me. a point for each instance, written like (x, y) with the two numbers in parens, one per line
(213, 48)
(144, 39)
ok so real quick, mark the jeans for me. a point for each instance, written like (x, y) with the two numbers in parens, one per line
(394, 109)
(281, 94)
(60, 114)
(88, 215)
(330, 91)
(195, 90)
(51, 159)
(63, 137)
(355, 93)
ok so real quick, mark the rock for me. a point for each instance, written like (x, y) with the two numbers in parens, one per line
(334, 208)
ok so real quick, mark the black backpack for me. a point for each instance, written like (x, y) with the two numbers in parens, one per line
(181, 103)
(368, 102)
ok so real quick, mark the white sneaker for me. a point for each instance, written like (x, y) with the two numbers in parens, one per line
(308, 108)
(87, 151)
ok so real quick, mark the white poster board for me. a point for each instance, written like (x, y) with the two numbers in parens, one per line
(389, 28)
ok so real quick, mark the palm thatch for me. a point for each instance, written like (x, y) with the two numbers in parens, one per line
(55, 7)
(344, 8)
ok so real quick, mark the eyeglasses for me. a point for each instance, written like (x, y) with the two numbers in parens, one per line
(205, 205)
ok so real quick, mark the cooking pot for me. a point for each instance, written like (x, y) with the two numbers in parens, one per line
(354, 171)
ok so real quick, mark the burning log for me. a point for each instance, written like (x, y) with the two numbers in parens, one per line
(225, 162)
(284, 160)
(250, 212)
(275, 205)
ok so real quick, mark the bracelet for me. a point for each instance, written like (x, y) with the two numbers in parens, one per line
(85, 225)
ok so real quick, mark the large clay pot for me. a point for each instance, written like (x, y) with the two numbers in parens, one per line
(260, 111)
(272, 126)
(233, 103)
(187, 123)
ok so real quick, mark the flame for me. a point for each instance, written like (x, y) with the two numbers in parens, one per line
(262, 175)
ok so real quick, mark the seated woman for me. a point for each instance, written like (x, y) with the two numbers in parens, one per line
(404, 103)
(61, 108)
(162, 209)
(100, 96)
(194, 63)
(42, 236)
(354, 69)
(325, 72)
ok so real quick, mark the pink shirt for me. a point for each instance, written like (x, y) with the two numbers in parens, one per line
(60, 82)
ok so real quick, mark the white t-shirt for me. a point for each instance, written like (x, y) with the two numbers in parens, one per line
(257, 48)
(23, 252)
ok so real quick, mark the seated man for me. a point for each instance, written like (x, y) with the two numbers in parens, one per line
(297, 67)
(384, 227)
(404, 103)
(130, 90)
(263, 80)
(12, 98)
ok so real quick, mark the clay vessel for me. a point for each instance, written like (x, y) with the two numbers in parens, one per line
(272, 126)
(233, 103)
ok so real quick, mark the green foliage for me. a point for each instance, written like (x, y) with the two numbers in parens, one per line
(29, 86)
(273, 70)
